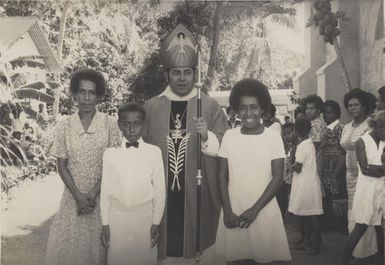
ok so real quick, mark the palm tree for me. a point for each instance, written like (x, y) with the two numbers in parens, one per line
(327, 22)
(62, 29)
(248, 20)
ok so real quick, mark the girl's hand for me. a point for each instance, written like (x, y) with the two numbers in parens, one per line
(247, 218)
(155, 234)
(230, 220)
(297, 167)
(105, 236)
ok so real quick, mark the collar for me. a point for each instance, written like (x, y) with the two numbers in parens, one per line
(332, 125)
(236, 119)
(317, 119)
(173, 97)
(79, 127)
(124, 141)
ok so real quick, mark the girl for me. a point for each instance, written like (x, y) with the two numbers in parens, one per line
(306, 195)
(251, 160)
(368, 208)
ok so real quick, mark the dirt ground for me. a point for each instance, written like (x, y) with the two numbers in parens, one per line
(28, 245)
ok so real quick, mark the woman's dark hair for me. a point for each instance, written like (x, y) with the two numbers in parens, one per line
(132, 107)
(334, 105)
(251, 88)
(302, 127)
(91, 75)
(316, 100)
(288, 125)
(365, 98)
(381, 92)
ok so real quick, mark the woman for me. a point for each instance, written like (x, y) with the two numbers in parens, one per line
(79, 145)
(359, 105)
(332, 158)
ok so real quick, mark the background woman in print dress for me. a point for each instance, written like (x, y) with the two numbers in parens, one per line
(359, 105)
(79, 145)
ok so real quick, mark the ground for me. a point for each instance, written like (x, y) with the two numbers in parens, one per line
(27, 217)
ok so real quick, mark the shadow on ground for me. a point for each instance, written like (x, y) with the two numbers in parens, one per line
(26, 249)
(30, 249)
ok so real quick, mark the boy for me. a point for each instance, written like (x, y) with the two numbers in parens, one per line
(289, 142)
(313, 106)
(132, 193)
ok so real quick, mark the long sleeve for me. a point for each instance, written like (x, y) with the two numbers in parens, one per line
(105, 189)
(158, 182)
(211, 146)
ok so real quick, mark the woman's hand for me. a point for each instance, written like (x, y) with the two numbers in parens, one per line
(91, 197)
(230, 219)
(248, 217)
(83, 203)
(155, 234)
(105, 236)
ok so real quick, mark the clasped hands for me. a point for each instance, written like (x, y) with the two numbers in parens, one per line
(86, 202)
(231, 220)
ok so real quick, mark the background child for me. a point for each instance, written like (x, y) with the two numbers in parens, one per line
(288, 138)
(368, 208)
(132, 194)
(306, 196)
(251, 161)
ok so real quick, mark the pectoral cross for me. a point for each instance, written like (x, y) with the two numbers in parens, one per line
(177, 133)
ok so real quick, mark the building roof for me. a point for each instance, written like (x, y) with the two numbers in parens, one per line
(12, 28)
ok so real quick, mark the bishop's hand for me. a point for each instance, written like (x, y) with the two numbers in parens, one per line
(200, 126)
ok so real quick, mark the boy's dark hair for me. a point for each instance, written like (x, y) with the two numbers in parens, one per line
(252, 88)
(298, 110)
(288, 125)
(316, 100)
(302, 127)
(334, 105)
(132, 107)
(91, 75)
(228, 110)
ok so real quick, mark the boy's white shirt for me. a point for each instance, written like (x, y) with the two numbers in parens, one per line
(124, 179)
(211, 146)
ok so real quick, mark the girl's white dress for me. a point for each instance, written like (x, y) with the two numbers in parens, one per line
(306, 194)
(368, 200)
(249, 159)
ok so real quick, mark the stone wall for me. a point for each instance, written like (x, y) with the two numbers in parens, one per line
(362, 44)
(371, 45)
